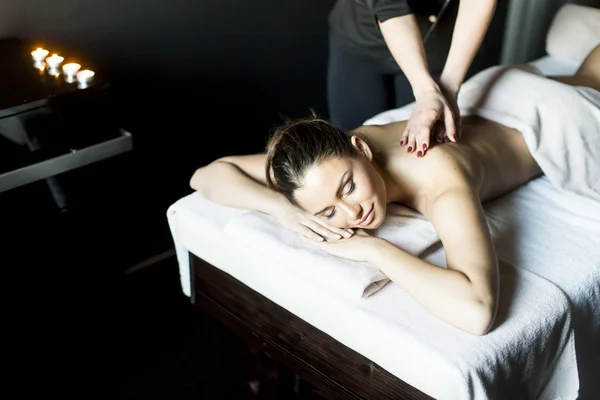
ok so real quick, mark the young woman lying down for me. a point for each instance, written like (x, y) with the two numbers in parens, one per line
(332, 186)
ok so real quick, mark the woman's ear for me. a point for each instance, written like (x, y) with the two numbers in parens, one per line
(362, 146)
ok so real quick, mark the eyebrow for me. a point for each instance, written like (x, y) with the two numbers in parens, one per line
(338, 192)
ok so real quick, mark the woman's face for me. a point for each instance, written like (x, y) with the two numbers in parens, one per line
(345, 193)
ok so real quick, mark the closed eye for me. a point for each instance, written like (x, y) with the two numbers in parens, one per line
(350, 188)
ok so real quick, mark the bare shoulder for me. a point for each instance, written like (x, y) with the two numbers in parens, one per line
(381, 135)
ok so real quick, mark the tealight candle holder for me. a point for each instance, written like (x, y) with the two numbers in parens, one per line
(84, 78)
(70, 71)
(39, 55)
(54, 61)
(39, 65)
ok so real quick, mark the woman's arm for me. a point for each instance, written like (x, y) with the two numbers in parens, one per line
(238, 181)
(466, 293)
(472, 23)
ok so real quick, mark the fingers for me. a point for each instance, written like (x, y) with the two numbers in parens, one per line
(325, 231)
(450, 125)
(308, 234)
(422, 141)
(458, 128)
(410, 144)
(404, 136)
(437, 133)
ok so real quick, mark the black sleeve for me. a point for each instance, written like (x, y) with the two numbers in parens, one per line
(385, 9)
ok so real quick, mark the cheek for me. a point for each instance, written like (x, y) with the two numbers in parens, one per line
(365, 189)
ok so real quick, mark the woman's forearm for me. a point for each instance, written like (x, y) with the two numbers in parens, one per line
(403, 38)
(472, 23)
(225, 183)
(447, 293)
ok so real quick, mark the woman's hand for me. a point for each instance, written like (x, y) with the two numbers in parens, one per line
(355, 248)
(432, 105)
(308, 225)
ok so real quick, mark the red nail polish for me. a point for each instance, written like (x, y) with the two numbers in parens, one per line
(419, 153)
(402, 142)
(409, 149)
(424, 146)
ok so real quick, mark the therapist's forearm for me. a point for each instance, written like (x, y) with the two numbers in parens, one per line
(472, 23)
(403, 38)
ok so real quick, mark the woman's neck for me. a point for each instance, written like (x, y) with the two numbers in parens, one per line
(399, 185)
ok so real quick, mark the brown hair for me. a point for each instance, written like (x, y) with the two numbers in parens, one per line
(297, 145)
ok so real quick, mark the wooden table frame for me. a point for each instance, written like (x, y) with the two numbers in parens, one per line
(335, 370)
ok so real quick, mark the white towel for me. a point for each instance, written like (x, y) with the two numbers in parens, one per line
(556, 235)
(404, 227)
(560, 123)
(529, 354)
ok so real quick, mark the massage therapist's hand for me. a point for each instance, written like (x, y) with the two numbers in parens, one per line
(431, 106)
(308, 225)
(450, 94)
(355, 248)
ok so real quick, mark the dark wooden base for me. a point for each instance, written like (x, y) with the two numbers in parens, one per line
(336, 371)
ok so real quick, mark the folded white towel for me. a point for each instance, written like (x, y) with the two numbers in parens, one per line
(404, 227)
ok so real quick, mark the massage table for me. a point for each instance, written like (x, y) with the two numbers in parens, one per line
(381, 344)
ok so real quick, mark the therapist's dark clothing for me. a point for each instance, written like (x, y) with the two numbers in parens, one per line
(363, 79)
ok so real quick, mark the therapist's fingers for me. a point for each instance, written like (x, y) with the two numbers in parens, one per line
(450, 124)
(410, 144)
(422, 140)
(404, 136)
(437, 132)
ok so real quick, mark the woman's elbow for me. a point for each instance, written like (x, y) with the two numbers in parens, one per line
(483, 316)
(194, 180)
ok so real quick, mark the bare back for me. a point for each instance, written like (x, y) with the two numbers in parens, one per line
(492, 157)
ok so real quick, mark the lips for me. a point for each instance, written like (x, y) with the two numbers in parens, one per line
(369, 217)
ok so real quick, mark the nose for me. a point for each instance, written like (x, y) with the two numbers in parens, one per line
(352, 210)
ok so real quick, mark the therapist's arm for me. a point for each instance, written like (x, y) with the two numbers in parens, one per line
(472, 22)
(403, 38)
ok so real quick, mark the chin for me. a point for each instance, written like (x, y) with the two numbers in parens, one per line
(378, 218)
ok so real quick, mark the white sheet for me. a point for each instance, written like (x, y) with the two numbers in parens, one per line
(395, 332)
(389, 327)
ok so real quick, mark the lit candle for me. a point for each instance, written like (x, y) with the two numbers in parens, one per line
(54, 61)
(39, 65)
(70, 70)
(85, 77)
(39, 54)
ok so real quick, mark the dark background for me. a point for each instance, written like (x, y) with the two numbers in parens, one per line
(192, 80)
